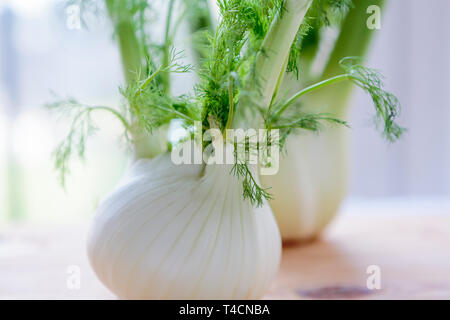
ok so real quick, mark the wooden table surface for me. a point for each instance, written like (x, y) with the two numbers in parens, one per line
(413, 254)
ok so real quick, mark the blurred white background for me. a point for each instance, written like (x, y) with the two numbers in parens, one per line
(413, 51)
(39, 54)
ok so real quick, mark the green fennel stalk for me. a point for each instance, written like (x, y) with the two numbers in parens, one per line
(125, 30)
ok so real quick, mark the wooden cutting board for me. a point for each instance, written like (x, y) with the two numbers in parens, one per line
(411, 256)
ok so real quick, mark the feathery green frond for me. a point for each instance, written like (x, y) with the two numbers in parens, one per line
(386, 105)
(234, 47)
(322, 13)
(314, 122)
(308, 121)
(82, 127)
(327, 12)
(252, 191)
(150, 105)
(237, 39)
(201, 26)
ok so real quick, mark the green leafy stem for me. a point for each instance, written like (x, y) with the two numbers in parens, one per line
(386, 105)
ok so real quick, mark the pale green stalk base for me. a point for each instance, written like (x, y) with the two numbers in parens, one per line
(144, 145)
(147, 146)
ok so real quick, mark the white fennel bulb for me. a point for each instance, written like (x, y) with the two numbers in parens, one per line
(183, 232)
(310, 184)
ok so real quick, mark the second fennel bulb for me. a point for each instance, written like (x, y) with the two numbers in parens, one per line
(310, 184)
(183, 232)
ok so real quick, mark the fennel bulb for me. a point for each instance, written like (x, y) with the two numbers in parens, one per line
(312, 180)
(183, 232)
(310, 184)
